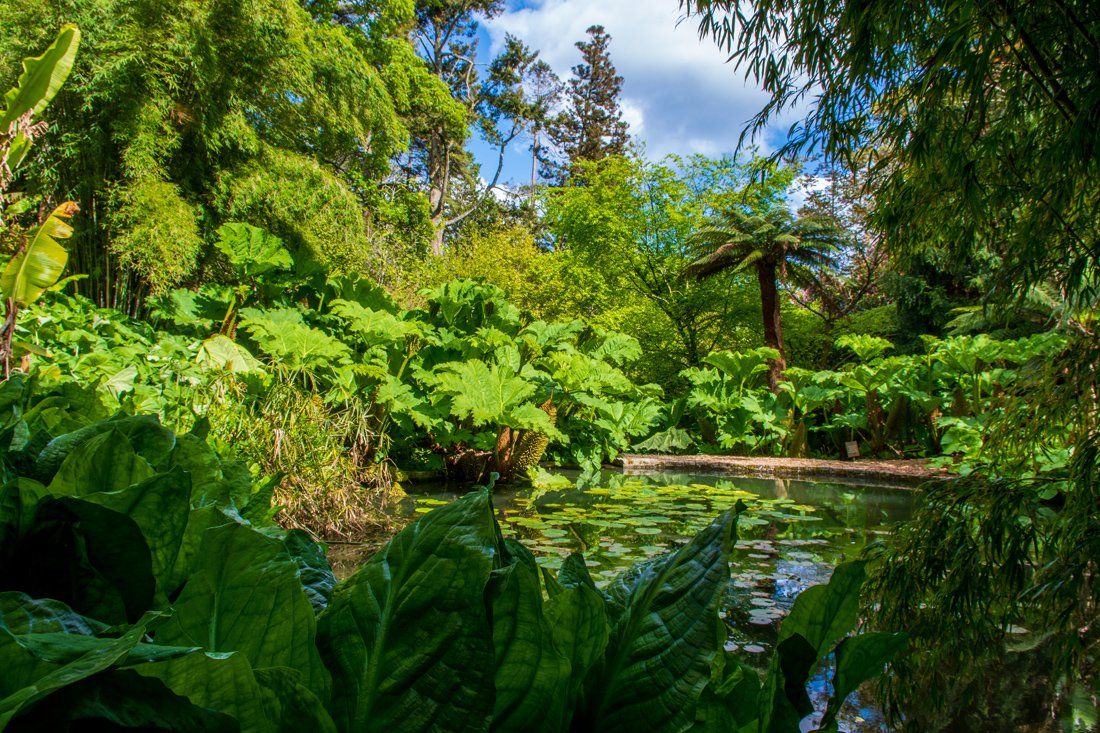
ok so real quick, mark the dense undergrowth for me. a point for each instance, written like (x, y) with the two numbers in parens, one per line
(131, 551)
(144, 583)
(341, 389)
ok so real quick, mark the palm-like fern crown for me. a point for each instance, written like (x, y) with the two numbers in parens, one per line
(798, 247)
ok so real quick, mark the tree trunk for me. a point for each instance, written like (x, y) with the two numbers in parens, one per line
(773, 327)
(534, 160)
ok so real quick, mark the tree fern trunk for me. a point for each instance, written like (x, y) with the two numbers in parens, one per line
(773, 327)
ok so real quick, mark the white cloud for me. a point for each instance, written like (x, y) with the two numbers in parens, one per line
(679, 94)
(798, 195)
(634, 115)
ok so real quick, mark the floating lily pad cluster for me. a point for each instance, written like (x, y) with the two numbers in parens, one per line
(784, 547)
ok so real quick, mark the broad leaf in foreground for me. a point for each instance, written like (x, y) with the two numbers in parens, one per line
(106, 462)
(159, 507)
(407, 638)
(28, 679)
(122, 699)
(858, 659)
(578, 617)
(531, 673)
(821, 616)
(90, 557)
(40, 263)
(662, 642)
(221, 682)
(246, 597)
(42, 77)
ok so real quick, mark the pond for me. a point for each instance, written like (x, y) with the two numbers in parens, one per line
(790, 537)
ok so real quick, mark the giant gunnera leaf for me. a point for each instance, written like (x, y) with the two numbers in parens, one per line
(663, 638)
(407, 638)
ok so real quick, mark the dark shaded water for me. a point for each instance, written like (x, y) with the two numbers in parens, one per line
(792, 535)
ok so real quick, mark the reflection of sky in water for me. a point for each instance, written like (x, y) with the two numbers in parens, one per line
(791, 536)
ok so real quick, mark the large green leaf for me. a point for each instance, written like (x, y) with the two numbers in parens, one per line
(122, 699)
(741, 366)
(221, 352)
(224, 683)
(62, 648)
(246, 597)
(578, 618)
(731, 698)
(858, 659)
(293, 705)
(90, 557)
(821, 616)
(283, 335)
(407, 638)
(188, 559)
(314, 570)
(783, 699)
(251, 250)
(22, 614)
(27, 679)
(492, 395)
(483, 393)
(375, 327)
(160, 508)
(149, 439)
(214, 480)
(40, 263)
(662, 642)
(42, 77)
(825, 614)
(531, 673)
(106, 462)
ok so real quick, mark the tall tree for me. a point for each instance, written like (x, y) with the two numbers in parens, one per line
(857, 283)
(981, 115)
(779, 247)
(623, 226)
(498, 104)
(446, 36)
(181, 116)
(521, 91)
(591, 127)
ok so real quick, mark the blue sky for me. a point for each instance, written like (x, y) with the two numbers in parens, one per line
(679, 94)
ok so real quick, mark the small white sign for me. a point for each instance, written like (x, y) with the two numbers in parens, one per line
(852, 448)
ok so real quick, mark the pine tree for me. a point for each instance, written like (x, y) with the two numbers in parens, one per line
(591, 127)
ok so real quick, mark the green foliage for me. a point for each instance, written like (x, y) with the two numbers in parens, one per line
(128, 592)
(42, 77)
(179, 118)
(160, 238)
(39, 83)
(332, 395)
(863, 346)
(938, 120)
(623, 228)
(251, 250)
(40, 264)
(949, 400)
(305, 204)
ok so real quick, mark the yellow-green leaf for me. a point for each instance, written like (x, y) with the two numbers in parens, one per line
(41, 263)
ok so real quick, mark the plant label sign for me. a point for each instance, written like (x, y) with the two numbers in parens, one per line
(852, 449)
